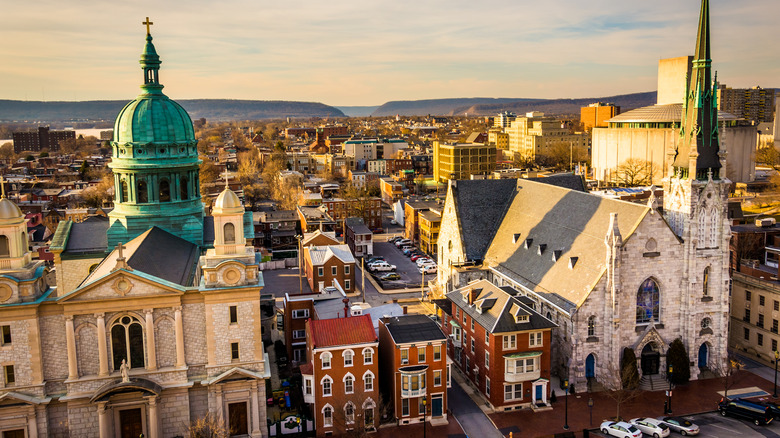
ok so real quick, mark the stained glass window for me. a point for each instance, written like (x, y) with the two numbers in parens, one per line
(647, 308)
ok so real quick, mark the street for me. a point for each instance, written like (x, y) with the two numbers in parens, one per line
(712, 424)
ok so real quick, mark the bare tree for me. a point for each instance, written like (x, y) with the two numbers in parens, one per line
(731, 375)
(768, 155)
(361, 418)
(628, 386)
(635, 172)
(208, 426)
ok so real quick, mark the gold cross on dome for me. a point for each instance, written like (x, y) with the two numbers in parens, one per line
(147, 23)
(2, 185)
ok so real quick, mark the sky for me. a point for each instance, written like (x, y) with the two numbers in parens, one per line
(352, 52)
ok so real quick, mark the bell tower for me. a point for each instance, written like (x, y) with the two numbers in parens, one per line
(695, 206)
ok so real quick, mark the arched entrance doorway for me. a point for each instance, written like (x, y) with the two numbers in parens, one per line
(590, 366)
(703, 356)
(651, 359)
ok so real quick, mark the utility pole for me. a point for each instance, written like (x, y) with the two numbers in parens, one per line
(300, 265)
(363, 276)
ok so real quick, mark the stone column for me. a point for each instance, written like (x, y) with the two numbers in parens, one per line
(104, 420)
(255, 410)
(32, 424)
(70, 338)
(102, 348)
(151, 353)
(154, 426)
(218, 396)
(179, 329)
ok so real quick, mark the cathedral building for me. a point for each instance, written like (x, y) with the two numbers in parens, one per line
(154, 320)
(615, 277)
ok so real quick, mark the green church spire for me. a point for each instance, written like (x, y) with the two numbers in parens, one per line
(150, 63)
(697, 149)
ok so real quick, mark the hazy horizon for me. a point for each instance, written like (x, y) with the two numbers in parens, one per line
(347, 53)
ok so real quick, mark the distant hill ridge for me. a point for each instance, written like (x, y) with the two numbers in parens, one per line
(490, 106)
(211, 109)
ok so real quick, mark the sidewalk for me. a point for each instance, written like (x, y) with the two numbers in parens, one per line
(469, 407)
(694, 397)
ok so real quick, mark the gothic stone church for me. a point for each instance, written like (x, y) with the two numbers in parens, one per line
(611, 274)
(158, 287)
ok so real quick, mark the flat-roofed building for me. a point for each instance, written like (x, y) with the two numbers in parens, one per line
(462, 160)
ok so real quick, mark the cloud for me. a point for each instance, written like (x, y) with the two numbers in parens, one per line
(362, 53)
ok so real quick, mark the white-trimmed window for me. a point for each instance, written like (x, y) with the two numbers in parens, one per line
(405, 407)
(300, 313)
(327, 386)
(347, 285)
(521, 365)
(368, 381)
(349, 383)
(346, 269)
(437, 352)
(299, 334)
(348, 355)
(487, 360)
(368, 356)
(334, 270)
(535, 339)
(320, 271)
(420, 354)
(437, 378)
(513, 392)
(487, 386)
(487, 338)
(327, 416)
(473, 345)
(326, 358)
(349, 412)
(510, 342)
(404, 356)
(472, 325)
(308, 385)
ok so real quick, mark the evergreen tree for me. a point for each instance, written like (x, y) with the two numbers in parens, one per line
(677, 357)
(629, 374)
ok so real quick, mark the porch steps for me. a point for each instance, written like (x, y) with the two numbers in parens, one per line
(653, 382)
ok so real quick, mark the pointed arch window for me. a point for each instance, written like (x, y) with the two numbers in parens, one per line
(127, 342)
(142, 193)
(183, 189)
(349, 412)
(647, 302)
(704, 236)
(165, 191)
(713, 241)
(229, 233)
(327, 416)
(706, 282)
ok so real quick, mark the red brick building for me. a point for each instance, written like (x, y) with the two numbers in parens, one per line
(500, 343)
(328, 264)
(340, 379)
(299, 308)
(370, 209)
(413, 368)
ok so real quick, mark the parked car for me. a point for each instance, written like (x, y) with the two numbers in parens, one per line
(390, 276)
(681, 425)
(425, 261)
(407, 251)
(757, 413)
(373, 259)
(414, 257)
(381, 267)
(620, 429)
(427, 269)
(651, 426)
(402, 242)
(394, 239)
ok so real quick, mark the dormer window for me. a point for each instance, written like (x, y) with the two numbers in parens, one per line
(572, 262)
(515, 237)
(521, 318)
(528, 243)
(556, 255)
(541, 248)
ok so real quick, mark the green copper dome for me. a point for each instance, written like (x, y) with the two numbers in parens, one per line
(152, 117)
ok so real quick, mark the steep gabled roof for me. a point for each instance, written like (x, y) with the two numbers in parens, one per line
(336, 332)
(480, 205)
(321, 254)
(545, 227)
(155, 252)
(405, 329)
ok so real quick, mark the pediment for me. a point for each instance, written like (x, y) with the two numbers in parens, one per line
(17, 399)
(233, 374)
(122, 284)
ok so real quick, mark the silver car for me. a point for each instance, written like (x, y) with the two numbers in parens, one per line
(651, 426)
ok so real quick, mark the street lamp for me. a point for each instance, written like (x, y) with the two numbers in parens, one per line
(566, 421)
(590, 406)
(425, 411)
(669, 396)
(777, 356)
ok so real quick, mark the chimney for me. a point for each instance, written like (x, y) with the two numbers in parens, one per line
(346, 307)
(472, 295)
(405, 310)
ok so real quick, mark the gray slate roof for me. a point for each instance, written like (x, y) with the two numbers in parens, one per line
(413, 328)
(498, 318)
(158, 253)
(481, 205)
(565, 180)
(558, 222)
(88, 236)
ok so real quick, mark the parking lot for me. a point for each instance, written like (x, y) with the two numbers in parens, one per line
(712, 424)
(407, 269)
